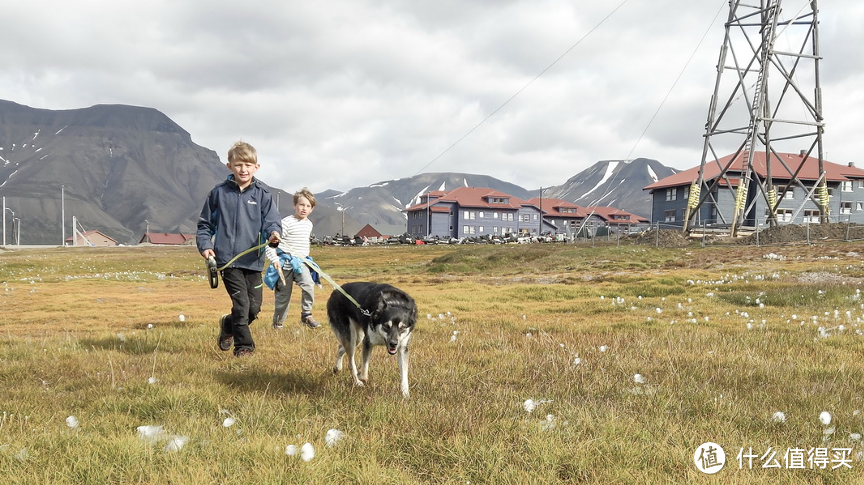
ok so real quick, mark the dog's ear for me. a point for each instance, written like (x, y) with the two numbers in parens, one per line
(390, 297)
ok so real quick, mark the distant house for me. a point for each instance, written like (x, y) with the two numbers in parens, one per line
(166, 239)
(845, 185)
(90, 238)
(370, 233)
(470, 211)
(618, 218)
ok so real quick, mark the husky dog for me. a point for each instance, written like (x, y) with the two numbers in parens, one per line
(386, 317)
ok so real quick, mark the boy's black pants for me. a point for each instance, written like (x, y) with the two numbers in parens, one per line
(244, 286)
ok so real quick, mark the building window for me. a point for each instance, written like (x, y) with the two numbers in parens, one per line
(480, 230)
(845, 207)
(784, 215)
(811, 216)
(495, 215)
(481, 215)
(671, 194)
(858, 206)
(790, 192)
(525, 218)
(669, 216)
(686, 192)
(847, 186)
(494, 229)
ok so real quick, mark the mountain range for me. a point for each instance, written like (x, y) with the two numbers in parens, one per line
(124, 170)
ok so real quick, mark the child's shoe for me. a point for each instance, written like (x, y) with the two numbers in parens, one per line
(309, 321)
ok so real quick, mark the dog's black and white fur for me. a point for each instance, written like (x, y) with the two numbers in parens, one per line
(392, 317)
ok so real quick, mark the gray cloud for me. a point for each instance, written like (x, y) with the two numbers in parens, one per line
(345, 93)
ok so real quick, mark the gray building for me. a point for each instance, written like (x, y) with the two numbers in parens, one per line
(845, 183)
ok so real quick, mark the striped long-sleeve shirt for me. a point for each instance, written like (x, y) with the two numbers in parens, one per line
(295, 236)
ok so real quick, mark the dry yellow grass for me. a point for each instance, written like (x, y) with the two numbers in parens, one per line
(565, 326)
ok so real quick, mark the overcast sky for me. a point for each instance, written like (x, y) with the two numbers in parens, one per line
(346, 93)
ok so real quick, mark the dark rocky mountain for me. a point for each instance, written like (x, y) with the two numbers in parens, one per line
(120, 166)
(613, 183)
(125, 169)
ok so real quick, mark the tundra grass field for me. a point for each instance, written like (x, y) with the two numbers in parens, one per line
(529, 364)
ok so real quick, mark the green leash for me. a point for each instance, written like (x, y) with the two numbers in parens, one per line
(213, 271)
(313, 265)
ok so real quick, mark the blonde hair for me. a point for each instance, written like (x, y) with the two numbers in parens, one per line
(242, 151)
(304, 192)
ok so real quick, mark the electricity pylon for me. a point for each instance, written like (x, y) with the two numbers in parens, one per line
(767, 95)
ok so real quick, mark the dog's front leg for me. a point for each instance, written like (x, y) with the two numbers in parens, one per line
(339, 354)
(403, 369)
(367, 353)
(353, 362)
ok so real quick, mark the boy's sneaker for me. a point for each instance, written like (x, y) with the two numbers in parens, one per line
(225, 337)
(243, 353)
(277, 326)
(309, 321)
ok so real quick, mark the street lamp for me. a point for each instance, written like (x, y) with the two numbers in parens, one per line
(342, 210)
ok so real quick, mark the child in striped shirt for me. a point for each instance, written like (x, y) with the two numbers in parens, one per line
(294, 249)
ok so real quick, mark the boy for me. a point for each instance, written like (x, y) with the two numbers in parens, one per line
(237, 215)
(293, 249)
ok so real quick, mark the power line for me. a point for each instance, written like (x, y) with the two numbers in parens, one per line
(523, 87)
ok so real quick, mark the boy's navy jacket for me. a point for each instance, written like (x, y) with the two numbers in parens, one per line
(239, 221)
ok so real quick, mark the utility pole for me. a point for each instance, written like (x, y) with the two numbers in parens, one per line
(63, 214)
(771, 97)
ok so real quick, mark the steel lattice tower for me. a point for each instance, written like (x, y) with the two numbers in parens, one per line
(767, 96)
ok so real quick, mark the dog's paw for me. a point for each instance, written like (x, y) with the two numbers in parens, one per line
(358, 383)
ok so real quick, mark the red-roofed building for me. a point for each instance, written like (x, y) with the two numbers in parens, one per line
(166, 239)
(90, 238)
(794, 193)
(473, 212)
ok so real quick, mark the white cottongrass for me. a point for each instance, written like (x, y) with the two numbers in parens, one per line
(604, 348)
(332, 436)
(577, 361)
(453, 337)
(639, 379)
(72, 422)
(228, 422)
(855, 437)
(176, 443)
(779, 417)
(149, 432)
(150, 326)
(825, 418)
(182, 317)
(152, 380)
(307, 452)
(530, 405)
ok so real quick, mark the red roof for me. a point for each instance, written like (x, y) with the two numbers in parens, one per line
(551, 207)
(616, 216)
(471, 197)
(810, 170)
(165, 238)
